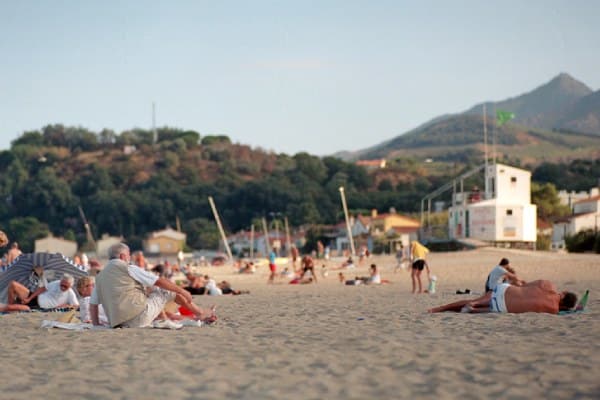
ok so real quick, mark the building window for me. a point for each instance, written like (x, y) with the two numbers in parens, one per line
(508, 212)
(513, 179)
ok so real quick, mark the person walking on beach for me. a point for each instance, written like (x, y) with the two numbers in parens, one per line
(272, 266)
(538, 296)
(418, 253)
(295, 254)
(120, 288)
(401, 258)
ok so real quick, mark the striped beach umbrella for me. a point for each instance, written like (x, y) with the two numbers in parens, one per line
(54, 264)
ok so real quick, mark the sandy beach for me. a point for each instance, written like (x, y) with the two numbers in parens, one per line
(329, 341)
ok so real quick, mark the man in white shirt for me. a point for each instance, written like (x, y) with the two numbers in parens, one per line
(121, 289)
(59, 294)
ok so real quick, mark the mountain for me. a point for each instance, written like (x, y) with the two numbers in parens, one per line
(583, 116)
(562, 117)
(542, 107)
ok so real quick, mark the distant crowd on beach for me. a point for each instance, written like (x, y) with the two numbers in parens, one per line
(129, 292)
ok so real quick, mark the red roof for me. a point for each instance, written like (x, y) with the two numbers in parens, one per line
(589, 199)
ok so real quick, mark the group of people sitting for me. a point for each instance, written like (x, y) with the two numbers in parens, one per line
(505, 292)
(122, 295)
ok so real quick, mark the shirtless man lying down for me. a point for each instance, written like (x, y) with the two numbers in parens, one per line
(537, 296)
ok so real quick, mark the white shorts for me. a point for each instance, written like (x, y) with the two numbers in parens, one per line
(156, 302)
(497, 303)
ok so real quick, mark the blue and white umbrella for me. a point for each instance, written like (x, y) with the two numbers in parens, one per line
(54, 264)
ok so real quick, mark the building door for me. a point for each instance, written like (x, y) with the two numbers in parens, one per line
(467, 223)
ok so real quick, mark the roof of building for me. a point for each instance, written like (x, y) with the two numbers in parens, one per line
(170, 233)
(590, 199)
(568, 218)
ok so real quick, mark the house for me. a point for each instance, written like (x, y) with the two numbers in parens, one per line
(242, 242)
(586, 215)
(372, 164)
(51, 244)
(502, 213)
(165, 242)
(569, 198)
(392, 227)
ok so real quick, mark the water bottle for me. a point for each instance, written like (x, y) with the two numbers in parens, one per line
(432, 282)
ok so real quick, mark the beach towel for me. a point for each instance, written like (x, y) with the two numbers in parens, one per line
(72, 326)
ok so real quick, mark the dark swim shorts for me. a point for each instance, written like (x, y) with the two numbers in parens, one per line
(419, 264)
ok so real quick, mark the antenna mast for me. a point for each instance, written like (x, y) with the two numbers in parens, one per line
(485, 150)
(154, 133)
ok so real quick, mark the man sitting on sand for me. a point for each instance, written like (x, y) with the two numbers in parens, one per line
(120, 289)
(27, 294)
(537, 296)
(59, 294)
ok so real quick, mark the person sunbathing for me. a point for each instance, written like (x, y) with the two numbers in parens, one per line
(196, 284)
(227, 289)
(539, 296)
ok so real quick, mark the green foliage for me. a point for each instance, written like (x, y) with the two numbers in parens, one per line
(30, 138)
(26, 230)
(546, 198)
(583, 241)
(201, 233)
(543, 242)
(47, 174)
(215, 139)
(577, 175)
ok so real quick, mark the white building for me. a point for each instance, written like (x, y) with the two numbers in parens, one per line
(51, 244)
(570, 198)
(501, 214)
(586, 215)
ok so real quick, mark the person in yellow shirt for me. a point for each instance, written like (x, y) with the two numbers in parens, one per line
(418, 252)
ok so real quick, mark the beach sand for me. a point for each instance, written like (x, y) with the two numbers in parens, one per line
(328, 341)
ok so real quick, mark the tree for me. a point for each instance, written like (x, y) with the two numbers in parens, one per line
(29, 138)
(201, 233)
(546, 198)
(26, 230)
(48, 198)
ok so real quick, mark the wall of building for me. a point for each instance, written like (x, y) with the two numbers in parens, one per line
(55, 245)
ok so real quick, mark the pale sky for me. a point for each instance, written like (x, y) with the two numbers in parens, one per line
(289, 76)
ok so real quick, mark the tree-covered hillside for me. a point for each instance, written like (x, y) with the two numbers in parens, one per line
(128, 186)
